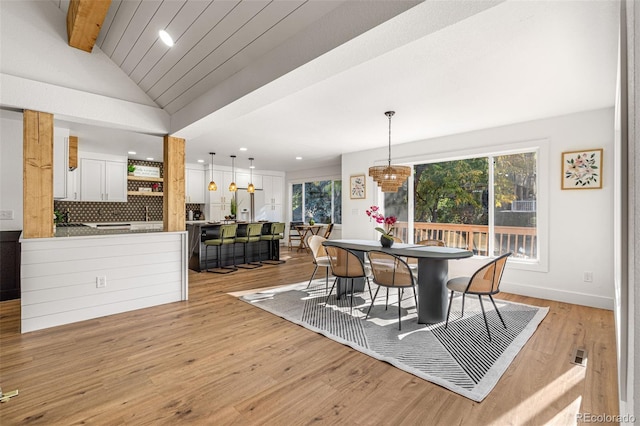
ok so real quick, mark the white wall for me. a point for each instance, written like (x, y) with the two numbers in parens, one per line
(11, 166)
(579, 236)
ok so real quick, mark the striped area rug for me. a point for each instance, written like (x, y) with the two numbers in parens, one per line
(459, 358)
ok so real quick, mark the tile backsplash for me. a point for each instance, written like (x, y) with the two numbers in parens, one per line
(132, 210)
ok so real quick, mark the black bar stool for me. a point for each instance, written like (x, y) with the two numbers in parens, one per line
(254, 231)
(274, 237)
(227, 236)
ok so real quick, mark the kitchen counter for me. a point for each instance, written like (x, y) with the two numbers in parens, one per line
(83, 231)
(98, 272)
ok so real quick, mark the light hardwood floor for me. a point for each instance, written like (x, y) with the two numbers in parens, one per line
(217, 360)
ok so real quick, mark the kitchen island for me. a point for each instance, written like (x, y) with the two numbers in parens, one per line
(85, 272)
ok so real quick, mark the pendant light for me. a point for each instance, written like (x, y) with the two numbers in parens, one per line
(212, 184)
(250, 188)
(389, 178)
(232, 186)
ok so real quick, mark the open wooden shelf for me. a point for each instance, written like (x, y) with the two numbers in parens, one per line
(144, 179)
(146, 194)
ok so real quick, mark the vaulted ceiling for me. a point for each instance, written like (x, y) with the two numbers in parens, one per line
(288, 78)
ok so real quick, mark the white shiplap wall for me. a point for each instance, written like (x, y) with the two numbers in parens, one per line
(59, 276)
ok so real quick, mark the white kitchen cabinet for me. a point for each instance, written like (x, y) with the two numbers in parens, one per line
(73, 186)
(60, 162)
(103, 180)
(244, 179)
(273, 189)
(220, 200)
(222, 195)
(194, 186)
(271, 210)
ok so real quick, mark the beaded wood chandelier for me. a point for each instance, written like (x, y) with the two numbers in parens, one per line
(389, 178)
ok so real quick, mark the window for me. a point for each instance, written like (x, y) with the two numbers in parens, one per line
(317, 200)
(485, 204)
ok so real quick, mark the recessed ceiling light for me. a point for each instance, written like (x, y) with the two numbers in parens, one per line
(149, 158)
(200, 161)
(166, 38)
(243, 149)
(131, 153)
(298, 158)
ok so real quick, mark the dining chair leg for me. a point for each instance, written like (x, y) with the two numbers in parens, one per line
(415, 296)
(486, 323)
(399, 310)
(326, 280)
(351, 299)
(369, 285)
(331, 291)
(372, 301)
(463, 295)
(449, 310)
(313, 275)
(496, 308)
(386, 303)
(206, 257)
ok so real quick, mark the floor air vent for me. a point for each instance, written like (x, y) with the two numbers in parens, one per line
(579, 357)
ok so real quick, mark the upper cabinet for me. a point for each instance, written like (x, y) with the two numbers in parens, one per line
(244, 179)
(273, 187)
(194, 185)
(60, 162)
(103, 179)
(222, 195)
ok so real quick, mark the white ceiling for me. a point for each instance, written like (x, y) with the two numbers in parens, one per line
(513, 62)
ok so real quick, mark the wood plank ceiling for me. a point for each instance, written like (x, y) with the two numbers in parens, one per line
(213, 40)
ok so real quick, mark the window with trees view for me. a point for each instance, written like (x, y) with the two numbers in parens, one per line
(318, 200)
(484, 204)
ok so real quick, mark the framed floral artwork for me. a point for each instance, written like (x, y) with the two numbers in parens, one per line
(582, 169)
(358, 187)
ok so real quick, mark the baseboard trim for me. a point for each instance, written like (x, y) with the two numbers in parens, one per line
(559, 295)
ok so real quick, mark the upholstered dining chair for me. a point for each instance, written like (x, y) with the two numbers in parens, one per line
(484, 282)
(227, 236)
(320, 257)
(391, 271)
(253, 234)
(345, 264)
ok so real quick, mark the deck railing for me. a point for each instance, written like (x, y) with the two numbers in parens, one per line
(521, 241)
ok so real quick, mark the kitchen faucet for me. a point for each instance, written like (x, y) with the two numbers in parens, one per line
(146, 213)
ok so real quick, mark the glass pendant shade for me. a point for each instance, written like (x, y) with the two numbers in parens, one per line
(389, 177)
(212, 185)
(232, 186)
(250, 188)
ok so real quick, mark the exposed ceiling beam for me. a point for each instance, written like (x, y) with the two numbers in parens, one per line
(84, 20)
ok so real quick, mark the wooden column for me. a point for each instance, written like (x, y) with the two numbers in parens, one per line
(37, 174)
(173, 202)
